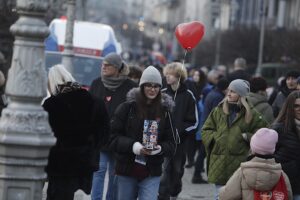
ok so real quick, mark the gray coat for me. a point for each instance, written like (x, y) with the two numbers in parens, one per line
(261, 105)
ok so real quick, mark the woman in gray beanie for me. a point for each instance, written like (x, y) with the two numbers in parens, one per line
(227, 131)
(141, 136)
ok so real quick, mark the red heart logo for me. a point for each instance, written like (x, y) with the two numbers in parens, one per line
(189, 34)
(108, 98)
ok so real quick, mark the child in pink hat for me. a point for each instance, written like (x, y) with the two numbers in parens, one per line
(261, 173)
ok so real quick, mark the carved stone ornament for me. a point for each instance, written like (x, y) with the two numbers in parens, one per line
(30, 27)
(31, 122)
(33, 6)
(33, 78)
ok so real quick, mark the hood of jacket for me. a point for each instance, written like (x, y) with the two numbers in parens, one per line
(166, 100)
(256, 98)
(261, 174)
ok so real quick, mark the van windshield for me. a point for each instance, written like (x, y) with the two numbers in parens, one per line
(86, 69)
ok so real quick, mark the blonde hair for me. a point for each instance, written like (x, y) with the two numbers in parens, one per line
(242, 101)
(2, 79)
(177, 69)
(58, 75)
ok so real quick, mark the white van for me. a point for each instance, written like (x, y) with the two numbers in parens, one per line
(91, 42)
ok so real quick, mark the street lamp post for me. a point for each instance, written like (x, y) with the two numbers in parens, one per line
(219, 34)
(25, 134)
(262, 34)
(68, 48)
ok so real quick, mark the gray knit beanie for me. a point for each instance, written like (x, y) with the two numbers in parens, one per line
(240, 86)
(114, 59)
(151, 75)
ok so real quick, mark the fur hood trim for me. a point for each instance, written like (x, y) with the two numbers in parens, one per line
(166, 100)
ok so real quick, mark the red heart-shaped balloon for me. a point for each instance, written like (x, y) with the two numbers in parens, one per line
(189, 34)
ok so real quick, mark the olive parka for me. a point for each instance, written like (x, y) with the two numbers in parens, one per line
(224, 144)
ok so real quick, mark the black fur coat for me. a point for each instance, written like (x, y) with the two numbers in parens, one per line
(80, 125)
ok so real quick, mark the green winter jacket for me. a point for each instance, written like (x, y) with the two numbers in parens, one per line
(225, 147)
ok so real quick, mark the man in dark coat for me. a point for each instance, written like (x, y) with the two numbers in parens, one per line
(111, 87)
(289, 86)
(185, 115)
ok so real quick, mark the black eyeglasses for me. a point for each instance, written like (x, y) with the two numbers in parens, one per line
(150, 85)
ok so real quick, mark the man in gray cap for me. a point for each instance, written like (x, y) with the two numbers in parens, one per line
(112, 86)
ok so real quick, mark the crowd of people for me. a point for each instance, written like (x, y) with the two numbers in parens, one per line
(143, 127)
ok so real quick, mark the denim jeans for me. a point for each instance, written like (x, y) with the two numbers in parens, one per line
(130, 188)
(199, 165)
(296, 197)
(106, 162)
(217, 191)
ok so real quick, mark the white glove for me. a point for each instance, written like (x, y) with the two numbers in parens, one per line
(136, 148)
(157, 151)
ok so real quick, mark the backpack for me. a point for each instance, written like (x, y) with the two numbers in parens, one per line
(279, 192)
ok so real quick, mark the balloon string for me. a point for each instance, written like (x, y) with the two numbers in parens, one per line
(182, 67)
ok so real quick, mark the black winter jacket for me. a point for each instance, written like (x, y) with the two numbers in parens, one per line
(112, 99)
(288, 154)
(79, 124)
(185, 112)
(127, 128)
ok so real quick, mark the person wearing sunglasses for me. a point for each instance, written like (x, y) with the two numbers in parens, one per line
(287, 124)
(141, 136)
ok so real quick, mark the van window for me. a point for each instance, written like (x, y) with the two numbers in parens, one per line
(86, 69)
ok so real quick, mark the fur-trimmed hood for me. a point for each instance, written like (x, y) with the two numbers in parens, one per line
(166, 100)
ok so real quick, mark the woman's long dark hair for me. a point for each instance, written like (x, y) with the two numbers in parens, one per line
(202, 80)
(143, 107)
(287, 112)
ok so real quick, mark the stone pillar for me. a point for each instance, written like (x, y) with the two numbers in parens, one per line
(68, 48)
(25, 134)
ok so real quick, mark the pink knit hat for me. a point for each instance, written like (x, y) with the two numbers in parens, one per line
(263, 142)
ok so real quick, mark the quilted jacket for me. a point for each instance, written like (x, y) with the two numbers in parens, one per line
(225, 146)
